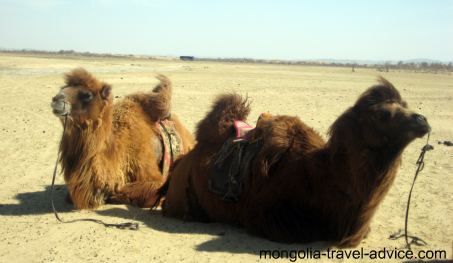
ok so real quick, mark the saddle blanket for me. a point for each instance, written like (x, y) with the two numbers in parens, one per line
(232, 164)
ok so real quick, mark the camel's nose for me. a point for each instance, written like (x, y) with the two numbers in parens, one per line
(420, 119)
(59, 96)
(420, 122)
(59, 104)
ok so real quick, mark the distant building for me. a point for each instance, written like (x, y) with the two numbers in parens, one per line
(186, 58)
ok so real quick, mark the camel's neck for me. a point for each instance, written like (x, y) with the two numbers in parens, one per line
(364, 158)
(366, 176)
(366, 171)
(81, 143)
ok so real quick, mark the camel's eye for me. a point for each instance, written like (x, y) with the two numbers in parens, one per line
(384, 115)
(85, 96)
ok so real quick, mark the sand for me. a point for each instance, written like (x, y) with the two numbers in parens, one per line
(30, 134)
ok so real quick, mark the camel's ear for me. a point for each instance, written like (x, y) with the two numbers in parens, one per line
(106, 90)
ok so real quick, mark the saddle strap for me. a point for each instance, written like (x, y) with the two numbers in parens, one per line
(172, 144)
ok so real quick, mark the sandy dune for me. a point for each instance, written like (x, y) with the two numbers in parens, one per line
(30, 133)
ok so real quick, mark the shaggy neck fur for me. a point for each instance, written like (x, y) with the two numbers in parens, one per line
(85, 144)
(368, 171)
(82, 141)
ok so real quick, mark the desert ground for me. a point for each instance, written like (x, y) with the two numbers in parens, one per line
(29, 137)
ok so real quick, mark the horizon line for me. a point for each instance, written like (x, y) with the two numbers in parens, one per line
(329, 60)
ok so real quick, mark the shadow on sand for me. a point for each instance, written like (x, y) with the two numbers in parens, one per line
(37, 203)
(226, 238)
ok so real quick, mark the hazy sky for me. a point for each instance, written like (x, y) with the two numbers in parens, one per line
(279, 29)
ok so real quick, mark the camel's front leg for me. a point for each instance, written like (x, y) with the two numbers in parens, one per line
(140, 193)
(86, 196)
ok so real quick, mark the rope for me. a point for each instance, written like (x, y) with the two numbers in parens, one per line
(127, 225)
(414, 239)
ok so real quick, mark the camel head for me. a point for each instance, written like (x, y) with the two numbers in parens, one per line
(384, 118)
(84, 98)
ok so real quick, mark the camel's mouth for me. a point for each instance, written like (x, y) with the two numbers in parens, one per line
(420, 125)
(59, 105)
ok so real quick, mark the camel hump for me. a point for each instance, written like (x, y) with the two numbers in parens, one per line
(156, 104)
(217, 126)
(163, 89)
(384, 82)
(164, 84)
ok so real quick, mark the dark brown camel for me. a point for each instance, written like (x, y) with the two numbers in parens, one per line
(300, 188)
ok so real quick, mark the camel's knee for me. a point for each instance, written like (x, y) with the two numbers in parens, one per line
(84, 198)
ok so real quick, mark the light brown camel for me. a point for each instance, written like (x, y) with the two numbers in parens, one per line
(298, 188)
(114, 151)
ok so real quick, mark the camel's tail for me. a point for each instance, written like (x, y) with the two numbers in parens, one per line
(158, 103)
(218, 123)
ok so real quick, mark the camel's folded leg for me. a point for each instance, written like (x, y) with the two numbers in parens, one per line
(285, 222)
(141, 193)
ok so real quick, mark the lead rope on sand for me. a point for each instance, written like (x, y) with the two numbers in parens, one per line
(420, 165)
(127, 225)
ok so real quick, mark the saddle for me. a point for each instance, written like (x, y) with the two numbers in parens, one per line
(232, 163)
(171, 144)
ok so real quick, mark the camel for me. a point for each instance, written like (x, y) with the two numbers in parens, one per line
(115, 152)
(298, 187)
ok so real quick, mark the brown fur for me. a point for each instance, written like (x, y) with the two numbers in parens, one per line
(112, 151)
(301, 189)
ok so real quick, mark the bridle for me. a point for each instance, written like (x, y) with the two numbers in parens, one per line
(420, 165)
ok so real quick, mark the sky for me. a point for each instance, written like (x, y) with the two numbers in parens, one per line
(283, 29)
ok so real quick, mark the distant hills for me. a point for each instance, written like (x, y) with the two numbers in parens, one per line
(416, 64)
(378, 62)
